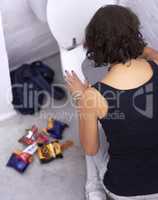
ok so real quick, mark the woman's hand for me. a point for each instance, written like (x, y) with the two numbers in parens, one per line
(75, 85)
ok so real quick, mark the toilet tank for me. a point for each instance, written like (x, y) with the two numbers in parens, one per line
(39, 8)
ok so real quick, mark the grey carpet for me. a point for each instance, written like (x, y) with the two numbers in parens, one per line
(61, 179)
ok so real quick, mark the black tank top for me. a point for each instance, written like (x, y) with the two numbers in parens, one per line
(131, 127)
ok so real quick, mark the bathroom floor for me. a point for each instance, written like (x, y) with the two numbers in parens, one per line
(61, 179)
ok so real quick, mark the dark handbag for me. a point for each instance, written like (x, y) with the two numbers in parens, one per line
(57, 92)
(27, 81)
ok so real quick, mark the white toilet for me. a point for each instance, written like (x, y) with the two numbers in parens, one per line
(67, 20)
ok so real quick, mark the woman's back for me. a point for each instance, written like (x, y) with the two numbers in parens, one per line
(131, 128)
(130, 75)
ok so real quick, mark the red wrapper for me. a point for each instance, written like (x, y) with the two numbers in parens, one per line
(33, 136)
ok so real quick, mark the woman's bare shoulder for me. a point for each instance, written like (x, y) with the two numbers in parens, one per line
(156, 61)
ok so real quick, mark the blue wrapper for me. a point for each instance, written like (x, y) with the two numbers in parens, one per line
(17, 163)
(57, 131)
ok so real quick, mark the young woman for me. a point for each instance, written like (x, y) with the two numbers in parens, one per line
(125, 101)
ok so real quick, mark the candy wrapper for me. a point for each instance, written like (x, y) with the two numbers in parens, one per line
(50, 123)
(33, 136)
(20, 160)
(66, 145)
(49, 152)
(18, 163)
(31, 149)
(53, 150)
(57, 129)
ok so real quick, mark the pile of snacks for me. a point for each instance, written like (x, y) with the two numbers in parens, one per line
(44, 142)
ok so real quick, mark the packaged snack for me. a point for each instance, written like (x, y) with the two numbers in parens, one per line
(33, 136)
(57, 149)
(58, 128)
(66, 145)
(30, 137)
(50, 123)
(31, 149)
(20, 160)
(42, 138)
(17, 162)
(49, 152)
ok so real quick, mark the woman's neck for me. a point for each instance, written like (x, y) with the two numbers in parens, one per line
(125, 65)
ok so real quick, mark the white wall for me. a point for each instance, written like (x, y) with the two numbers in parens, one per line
(27, 38)
(6, 109)
(147, 10)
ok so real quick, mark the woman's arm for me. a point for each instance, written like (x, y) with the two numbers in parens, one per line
(88, 126)
(91, 106)
(150, 53)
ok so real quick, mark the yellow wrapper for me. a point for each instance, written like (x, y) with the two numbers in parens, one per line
(50, 123)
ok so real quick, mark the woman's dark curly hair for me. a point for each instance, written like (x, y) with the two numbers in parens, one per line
(113, 36)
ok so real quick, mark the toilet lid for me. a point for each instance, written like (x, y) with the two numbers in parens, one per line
(68, 19)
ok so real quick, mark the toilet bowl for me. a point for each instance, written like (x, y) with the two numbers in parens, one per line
(67, 20)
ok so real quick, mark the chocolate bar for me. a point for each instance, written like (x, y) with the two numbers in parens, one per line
(20, 160)
(57, 131)
(49, 152)
(33, 136)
